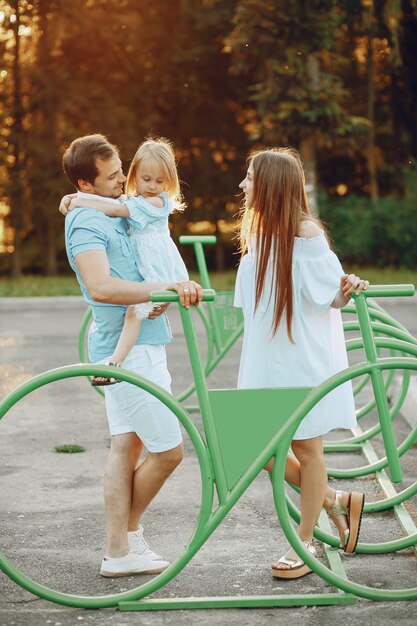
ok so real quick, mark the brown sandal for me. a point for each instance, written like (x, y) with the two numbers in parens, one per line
(353, 513)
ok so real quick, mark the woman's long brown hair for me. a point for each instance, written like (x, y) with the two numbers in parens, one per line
(271, 221)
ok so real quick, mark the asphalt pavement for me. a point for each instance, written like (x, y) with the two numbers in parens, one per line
(51, 508)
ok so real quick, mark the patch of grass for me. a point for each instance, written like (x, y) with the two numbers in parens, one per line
(49, 286)
(69, 448)
(384, 275)
(221, 281)
(30, 286)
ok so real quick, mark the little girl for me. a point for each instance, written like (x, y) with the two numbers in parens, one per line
(290, 285)
(153, 191)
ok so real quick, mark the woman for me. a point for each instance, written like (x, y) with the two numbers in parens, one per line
(290, 286)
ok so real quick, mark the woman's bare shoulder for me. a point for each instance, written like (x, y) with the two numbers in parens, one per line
(308, 229)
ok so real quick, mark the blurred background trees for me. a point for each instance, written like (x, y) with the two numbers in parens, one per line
(334, 79)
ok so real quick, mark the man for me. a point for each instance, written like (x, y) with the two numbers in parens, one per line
(100, 254)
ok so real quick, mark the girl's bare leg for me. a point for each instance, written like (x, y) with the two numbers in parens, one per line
(127, 339)
(128, 336)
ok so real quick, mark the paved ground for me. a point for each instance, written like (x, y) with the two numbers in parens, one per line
(51, 511)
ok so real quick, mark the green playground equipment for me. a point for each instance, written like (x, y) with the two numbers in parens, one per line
(223, 324)
(233, 450)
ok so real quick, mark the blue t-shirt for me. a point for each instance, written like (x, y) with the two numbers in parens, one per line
(85, 230)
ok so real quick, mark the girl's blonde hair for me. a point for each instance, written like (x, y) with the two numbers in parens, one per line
(161, 152)
(278, 205)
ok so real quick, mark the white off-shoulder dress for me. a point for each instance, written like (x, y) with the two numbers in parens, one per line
(319, 349)
(157, 256)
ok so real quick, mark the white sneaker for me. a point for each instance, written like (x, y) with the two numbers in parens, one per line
(131, 564)
(138, 544)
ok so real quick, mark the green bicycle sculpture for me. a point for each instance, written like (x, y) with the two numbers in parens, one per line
(228, 423)
(223, 326)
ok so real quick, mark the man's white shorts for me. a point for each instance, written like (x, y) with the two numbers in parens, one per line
(131, 409)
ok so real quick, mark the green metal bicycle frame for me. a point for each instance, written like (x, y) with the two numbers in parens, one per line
(218, 345)
(219, 341)
(229, 426)
(384, 325)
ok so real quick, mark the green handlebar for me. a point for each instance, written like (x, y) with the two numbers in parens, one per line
(171, 296)
(381, 291)
(190, 239)
(373, 291)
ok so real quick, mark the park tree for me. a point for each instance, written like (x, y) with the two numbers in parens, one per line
(42, 158)
(405, 78)
(213, 146)
(15, 30)
(78, 86)
(379, 85)
(289, 59)
(72, 62)
(334, 79)
(397, 23)
(193, 100)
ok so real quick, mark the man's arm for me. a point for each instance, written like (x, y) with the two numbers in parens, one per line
(94, 268)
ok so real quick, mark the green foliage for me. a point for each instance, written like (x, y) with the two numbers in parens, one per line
(216, 78)
(285, 55)
(382, 233)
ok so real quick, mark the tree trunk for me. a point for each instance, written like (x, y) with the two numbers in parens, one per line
(50, 263)
(308, 155)
(16, 135)
(16, 264)
(307, 145)
(370, 105)
(44, 138)
(219, 252)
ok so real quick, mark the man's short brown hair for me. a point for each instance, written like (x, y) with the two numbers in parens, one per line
(79, 160)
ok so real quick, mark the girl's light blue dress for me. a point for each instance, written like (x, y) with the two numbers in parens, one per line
(157, 256)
